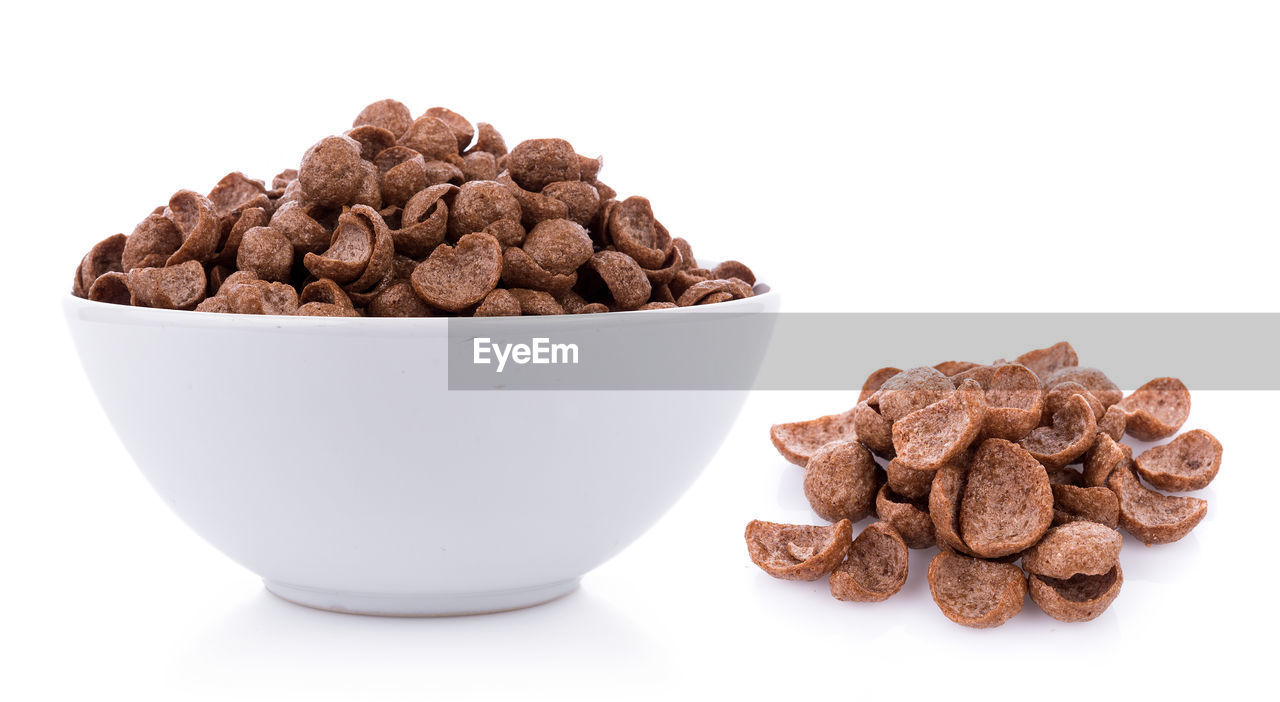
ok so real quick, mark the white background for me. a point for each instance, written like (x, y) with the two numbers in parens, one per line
(1107, 156)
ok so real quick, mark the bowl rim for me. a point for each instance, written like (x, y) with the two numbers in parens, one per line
(83, 309)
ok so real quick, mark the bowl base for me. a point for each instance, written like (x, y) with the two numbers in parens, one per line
(421, 605)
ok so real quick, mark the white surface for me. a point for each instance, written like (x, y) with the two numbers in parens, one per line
(902, 156)
(354, 479)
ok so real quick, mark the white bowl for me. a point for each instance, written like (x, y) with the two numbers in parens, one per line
(328, 456)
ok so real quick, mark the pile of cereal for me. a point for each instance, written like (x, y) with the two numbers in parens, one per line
(992, 464)
(404, 217)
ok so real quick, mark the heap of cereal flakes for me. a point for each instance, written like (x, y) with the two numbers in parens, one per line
(992, 464)
(404, 217)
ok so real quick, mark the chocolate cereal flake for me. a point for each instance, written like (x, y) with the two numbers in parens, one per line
(1189, 462)
(840, 482)
(875, 567)
(1151, 517)
(798, 552)
(976, 593)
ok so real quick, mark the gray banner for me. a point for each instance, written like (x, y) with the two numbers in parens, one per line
(797, 351)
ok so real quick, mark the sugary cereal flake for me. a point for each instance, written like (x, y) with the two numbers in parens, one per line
(536, 302)
(111, 287)
(1014, 403)
(581, 199)
(910, 517)
(260, 297)
(403, 180)
(1064, 475)
(152, 242)
(588, 167)
(508, 232)
(839, 481)
(331, 171)
(797, 441)
(248, 219)
(953, 368)
(934, 435)
(721, 290)
(479, 165)
(348, 253)
(368, 191)
(1094, 380)
(976, 593)
(713, 298)
(559, 246)
(1073, 432)
(1151, 517)
(798, 552)
(489, 140)
(438, 172)
(979, 374)
(383, 252)
(479, 204)
(432, 137)
(945, 497)
(398, 300)
(519, 270)
(1061, 394)
(1102, 458)
(908, 481)
(301, 229)
(499, 303)
(456, 277)
(283, 179)
(324, 309)
(1157, 410)
(217, 305)
(458, 124)
(636, 233)
(537, 163)
(1047, 361)
(734, 269)
(1007, 504)
(875, 381)
(686, 251)
(875, 567)
(373, 141)
(424, 222)
(200, 227)
(1114, 422)
(391, 115)
(1073, 503)
(179, 287)
(873, 430)
(911, 390)
(266, 253)
(687, 278)
(663, 276)
(622, 275)
(1080, 598)
(237, 192)
(1077, 548)
(106, 256)
(326, 291)
(393, 156)
(1189, 462)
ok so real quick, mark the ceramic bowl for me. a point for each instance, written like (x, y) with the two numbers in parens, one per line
(329, 457)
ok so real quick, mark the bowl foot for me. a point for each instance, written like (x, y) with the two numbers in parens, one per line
(424, 605)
